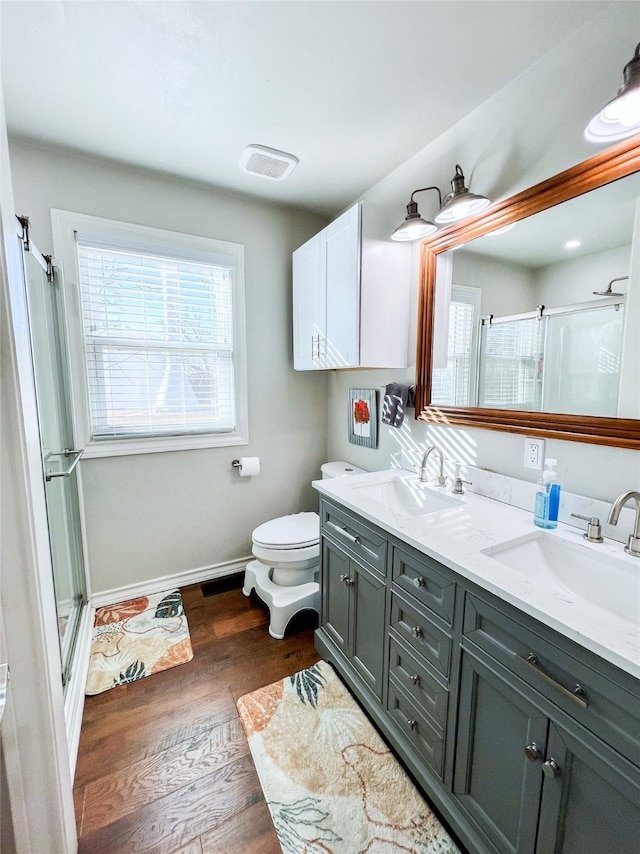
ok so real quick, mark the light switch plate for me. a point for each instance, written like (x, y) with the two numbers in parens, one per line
(533, 453)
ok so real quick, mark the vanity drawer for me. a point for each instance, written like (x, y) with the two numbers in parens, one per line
(589, 689)
(427, 739)
(420, 631)
(418, 575)
(352, 533)
(419, 683)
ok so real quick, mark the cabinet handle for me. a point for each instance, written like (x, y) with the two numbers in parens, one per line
(344, 533)
(313, 354)
(551, 768)
(533, 752)
(415, 631)
(415, 679)
(346, 580)
(419, 581)
(578, 695)
(412, 724)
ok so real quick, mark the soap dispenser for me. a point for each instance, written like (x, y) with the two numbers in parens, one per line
(545, 514)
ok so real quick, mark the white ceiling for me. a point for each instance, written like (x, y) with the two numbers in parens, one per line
(353, 89)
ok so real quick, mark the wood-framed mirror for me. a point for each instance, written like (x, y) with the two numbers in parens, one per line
(555, 350)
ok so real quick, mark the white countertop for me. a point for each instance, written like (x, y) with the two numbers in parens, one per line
(456, 535)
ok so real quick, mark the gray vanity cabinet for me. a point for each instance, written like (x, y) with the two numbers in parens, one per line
(353, 595)
(533, 784)
(591, 801)
(494, 782)
(524, 741)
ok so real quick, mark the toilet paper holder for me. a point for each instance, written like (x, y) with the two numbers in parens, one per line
(236, 464)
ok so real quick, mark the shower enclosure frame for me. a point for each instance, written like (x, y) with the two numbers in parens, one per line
(61, 474)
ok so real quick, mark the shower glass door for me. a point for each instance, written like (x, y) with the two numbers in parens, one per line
(58, 452)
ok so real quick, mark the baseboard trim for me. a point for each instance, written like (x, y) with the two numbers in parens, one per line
(168, 582)
(74, 694)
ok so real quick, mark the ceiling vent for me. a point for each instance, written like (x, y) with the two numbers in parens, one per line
(267, 162)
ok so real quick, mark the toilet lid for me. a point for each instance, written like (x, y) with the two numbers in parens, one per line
(289, 532)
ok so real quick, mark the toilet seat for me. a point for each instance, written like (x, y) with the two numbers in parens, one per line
(296, 531)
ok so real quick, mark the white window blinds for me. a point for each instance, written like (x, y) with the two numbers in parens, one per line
(454, 385)
(158, 342)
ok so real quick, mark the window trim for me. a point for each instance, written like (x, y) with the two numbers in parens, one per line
(65, 226)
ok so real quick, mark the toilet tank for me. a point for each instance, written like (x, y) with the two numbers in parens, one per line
(340, 469)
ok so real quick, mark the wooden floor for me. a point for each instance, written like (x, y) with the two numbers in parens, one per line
(163, 764)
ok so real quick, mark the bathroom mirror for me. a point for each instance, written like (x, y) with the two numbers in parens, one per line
(529, 313)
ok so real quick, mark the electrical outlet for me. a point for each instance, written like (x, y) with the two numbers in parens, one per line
(533, 453)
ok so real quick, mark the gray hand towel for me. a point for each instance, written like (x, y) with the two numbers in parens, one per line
(397, 397)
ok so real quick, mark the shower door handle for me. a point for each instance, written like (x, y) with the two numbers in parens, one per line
(49, 475)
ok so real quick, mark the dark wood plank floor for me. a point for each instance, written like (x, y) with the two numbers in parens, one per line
(164, 765)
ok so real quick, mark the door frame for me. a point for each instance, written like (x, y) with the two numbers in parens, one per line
(34, 744)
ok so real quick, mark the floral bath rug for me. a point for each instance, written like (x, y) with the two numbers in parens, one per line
(331, 783)
(137, 638)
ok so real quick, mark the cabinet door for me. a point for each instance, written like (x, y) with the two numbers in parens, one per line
(308, 304)
(367, 625)
(590, 798)
(494, 781)
(342, 259)
(335, 594)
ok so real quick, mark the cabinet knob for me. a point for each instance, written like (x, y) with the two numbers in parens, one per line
(415, 679)
(419, 581)
(415, 631)
(551, 768)
(533, 752)
(412, 724)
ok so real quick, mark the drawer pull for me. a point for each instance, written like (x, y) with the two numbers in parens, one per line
(346, 580)
(533, 752)
(419, 581)
(344, 533)
(551, 768)
(578, 695)
(415, 679)
(415, 631)
(412, 724)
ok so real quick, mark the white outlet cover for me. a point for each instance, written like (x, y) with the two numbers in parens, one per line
(533, 453)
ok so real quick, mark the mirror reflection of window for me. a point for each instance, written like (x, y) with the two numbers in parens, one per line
(511, 364)
(456, 383)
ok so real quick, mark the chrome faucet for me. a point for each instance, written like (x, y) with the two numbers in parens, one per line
(633, 545)
(422, 477)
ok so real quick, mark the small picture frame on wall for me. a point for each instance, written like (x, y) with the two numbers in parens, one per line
(363, 417)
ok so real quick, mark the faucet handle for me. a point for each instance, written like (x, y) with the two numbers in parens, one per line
(594, 528)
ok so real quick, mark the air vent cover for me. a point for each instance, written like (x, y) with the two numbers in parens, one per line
(267, 162)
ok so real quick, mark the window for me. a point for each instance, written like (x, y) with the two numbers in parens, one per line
(156, 338)
(455, 384)
(511, 364)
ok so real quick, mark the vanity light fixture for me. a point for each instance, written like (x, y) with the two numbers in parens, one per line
(460, 202)
(620, 117)
(414, 226)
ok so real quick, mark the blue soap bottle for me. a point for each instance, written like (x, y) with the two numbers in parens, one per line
(545, 514)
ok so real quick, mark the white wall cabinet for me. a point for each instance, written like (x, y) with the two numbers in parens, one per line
(351, 295)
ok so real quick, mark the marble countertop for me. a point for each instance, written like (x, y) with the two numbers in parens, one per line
(468, 524)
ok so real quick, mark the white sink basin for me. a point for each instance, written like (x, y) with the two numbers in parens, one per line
(597, 578)
(407, 496)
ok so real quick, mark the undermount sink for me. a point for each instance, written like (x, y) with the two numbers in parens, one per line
(407, 496)
(599, 579)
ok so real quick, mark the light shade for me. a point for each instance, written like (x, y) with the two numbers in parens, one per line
(619, 118)
(460, 202)
(414, 226)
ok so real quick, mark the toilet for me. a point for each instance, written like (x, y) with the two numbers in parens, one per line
(284, 573)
